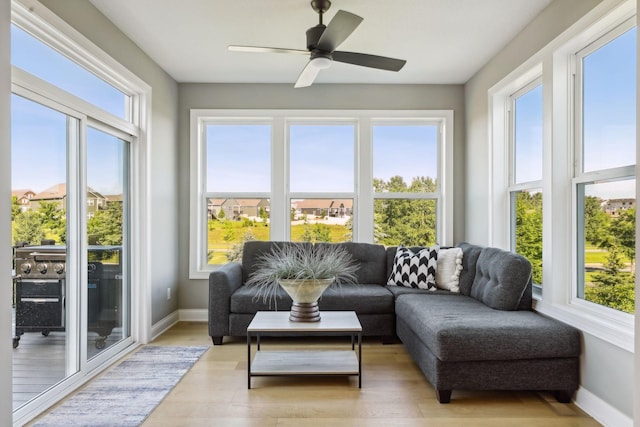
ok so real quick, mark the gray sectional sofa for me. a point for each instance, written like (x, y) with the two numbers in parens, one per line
(486, 337)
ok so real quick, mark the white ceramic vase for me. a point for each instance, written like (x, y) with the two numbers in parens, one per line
(305, 294)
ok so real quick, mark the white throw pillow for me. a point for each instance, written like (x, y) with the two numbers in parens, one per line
(449, 268)
(415, 270)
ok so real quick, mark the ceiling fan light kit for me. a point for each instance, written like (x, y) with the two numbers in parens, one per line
(322, 42)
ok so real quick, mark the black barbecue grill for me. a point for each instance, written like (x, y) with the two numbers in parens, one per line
(40, 289)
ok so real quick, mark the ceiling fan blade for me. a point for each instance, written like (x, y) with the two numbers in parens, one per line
(307, 76)
(371, 61)
(261, 49)
(340, 27)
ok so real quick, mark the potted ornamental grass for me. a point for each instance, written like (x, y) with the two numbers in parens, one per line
(304, 272)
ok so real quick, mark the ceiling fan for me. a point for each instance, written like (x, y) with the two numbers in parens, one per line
(322, 42)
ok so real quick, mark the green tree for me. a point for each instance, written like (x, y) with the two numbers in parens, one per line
(27, 227)
(221, 214)
(620, 297)
(623, 228)
(596, 222)
(235, 254)
(229, 234)
(15, 208)
(105, 226)
(405, 221)
(263, 215)
(613, 287)
(54, 221)
(529, 231)
(321, 233)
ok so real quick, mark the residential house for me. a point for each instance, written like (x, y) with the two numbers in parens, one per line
(23, 198)
(58, 194)
(214, 206)
(613, 207)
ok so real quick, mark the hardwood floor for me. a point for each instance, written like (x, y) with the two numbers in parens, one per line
(394, 392)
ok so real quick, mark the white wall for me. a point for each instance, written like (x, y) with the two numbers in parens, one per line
(163, 163)
(606, 370)
(5, 218)
(194, 294)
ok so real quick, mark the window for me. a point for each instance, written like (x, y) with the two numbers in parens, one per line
(525, 189)
(317, 176)
(406, 183)
(64, 73)
(321, 181)
(604, 177)
(562, 165)
(238, 185)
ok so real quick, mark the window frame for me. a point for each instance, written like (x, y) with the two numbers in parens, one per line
(556, 64)
(514, 187)
(37, 20)
(581, 178)
(280, 195)
(438, 195)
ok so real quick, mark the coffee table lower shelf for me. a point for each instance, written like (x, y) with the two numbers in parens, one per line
(305, 362)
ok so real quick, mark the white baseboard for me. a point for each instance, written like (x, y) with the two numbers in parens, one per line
(600, 410)
(194, 315)
(163, 325)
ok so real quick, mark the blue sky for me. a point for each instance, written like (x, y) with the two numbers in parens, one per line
(322, 157)
(39, 133)
(609, 115)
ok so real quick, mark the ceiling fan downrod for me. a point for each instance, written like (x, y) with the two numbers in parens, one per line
(320, 6)
(314, 33)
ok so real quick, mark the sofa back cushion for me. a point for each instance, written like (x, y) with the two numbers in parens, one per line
(470, 254)
(502, 278)
(254, 249)
(371, 258)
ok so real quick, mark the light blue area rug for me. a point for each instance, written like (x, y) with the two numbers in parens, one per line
(126, 394)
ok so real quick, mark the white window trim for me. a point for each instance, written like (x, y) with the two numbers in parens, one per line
(38, 20)
(554, 62)
(280, 195)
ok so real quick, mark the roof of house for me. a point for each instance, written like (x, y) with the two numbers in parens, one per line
(21, 193)
(314, 204)
(346, 203)
(59, 191)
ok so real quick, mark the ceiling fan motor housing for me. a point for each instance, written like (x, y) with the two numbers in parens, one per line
(313, 35)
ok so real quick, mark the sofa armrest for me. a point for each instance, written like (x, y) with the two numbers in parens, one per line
(223, 282)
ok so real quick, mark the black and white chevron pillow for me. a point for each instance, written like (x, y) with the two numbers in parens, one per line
(415, 270)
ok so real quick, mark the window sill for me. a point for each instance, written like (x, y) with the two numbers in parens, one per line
(614, 331)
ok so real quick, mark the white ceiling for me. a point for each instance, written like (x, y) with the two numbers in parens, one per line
(443, 41)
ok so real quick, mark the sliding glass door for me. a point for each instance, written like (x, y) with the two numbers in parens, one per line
(43, 350)
(107, 253)
(70, 231)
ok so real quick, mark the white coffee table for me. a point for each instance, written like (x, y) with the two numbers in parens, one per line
(304, 362)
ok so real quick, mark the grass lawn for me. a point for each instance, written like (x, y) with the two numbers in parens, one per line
(223, 235)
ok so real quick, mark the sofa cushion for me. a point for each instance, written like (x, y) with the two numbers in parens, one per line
(363, 299)
(370, 257)
(414, 269)
(501, 278)
(449, 268)
(459, 328)
(470, 254)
